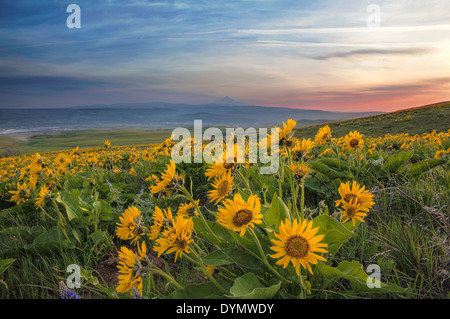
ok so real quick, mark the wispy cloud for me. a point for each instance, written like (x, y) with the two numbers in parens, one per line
(374, 52)
(257, 51)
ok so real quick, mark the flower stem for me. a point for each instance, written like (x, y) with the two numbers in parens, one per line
(207, 273)
(263, 256)
(189, 197)
(302, 203)
(156, 270)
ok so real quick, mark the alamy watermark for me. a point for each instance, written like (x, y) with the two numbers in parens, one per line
(74, 19)
(374, 19)
(73, 280)
(241, 146)
(374, 277)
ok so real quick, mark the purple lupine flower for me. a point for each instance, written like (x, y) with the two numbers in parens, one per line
(66, 293)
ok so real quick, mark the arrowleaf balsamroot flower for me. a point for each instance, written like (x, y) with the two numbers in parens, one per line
(176, 239)
(21, 194)
(129, 227)
(44, 196)
(353, 212)
(130, 268)
(238, 214)
(354, 140)
(222, 187)
(168, 179)
(188, 209)
(355, 194)
(162, 220)
(323, 135)
(300, 170)
(298, 244)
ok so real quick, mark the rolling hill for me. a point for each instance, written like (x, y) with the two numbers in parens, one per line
(414, 120)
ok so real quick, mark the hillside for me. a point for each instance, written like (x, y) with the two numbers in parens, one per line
(415, 120)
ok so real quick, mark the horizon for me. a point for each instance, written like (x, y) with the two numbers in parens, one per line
(214, 103)
(371, 56)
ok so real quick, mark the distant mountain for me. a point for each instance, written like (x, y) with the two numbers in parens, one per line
(226, 101)
(157, 115)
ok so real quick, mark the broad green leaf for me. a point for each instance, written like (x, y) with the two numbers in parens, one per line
(248, 242)
(249, 287)
(396, 161)
(217, 258)
(221, 233)
(335, 232)
(327, 171)
(277, 212)
(353, 272)
(243, 259)
(416, 169)
(52, 239)
(335, 163)
(5, 263)
(71, 202)
(316, 186)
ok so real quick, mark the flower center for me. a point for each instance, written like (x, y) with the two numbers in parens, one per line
(300, 172)
(350, 198)
(297, 247)
(191, 211)
(354, 142)
(23, 193)
(289, 143)
(228, 165)
(223, 188)
(242, 217)
(351, 211)
(181, 243)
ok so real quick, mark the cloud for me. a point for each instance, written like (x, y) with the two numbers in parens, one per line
(46, 85)
(373, 52)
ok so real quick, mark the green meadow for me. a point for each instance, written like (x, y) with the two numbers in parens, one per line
(82, 139)
(405, 233)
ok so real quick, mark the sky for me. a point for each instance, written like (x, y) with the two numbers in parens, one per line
(340, 55)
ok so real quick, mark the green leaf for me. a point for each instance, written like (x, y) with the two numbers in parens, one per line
(249, 287)
(88, 275)
(335, 232)
(335, 163)
(327, 171)
(277, 212)
(52, 239)
(353, 272)
(396, 161)
(248, 242)
(97, 236)
(416, 169)
(71, 202)
(5, 263)
(217, 258)
(200, 291)
(221, 233)
(243, 259)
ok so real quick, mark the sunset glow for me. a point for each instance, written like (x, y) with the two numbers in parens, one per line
(329, 55)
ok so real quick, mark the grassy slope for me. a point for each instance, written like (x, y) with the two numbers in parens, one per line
(413, 121)
(84, 138)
